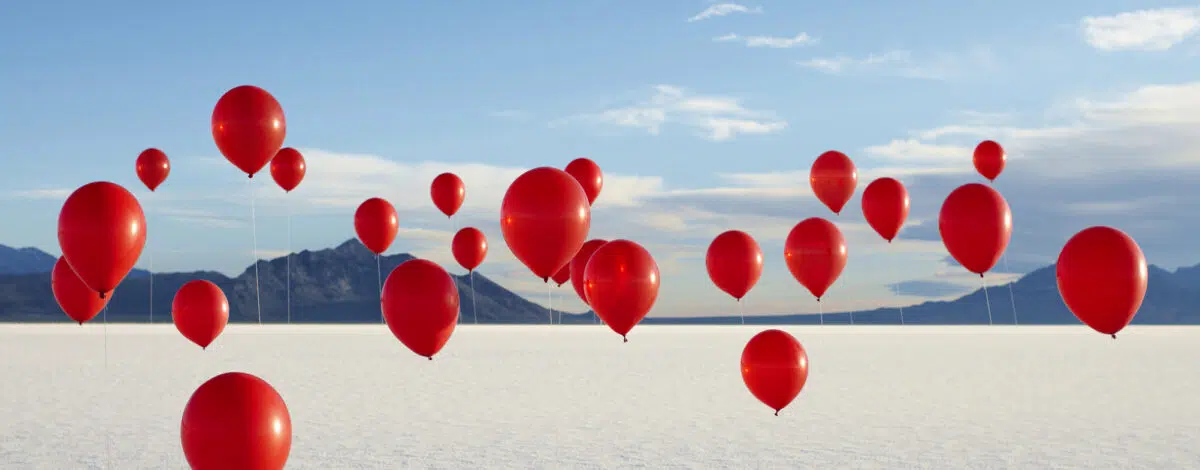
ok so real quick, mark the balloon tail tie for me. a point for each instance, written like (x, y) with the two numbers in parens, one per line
(254, 233)
(430, 357)
(103, 295)
(474, 310)
(379, 280)
(1114, 336)
(1012, 299)
(986, 300)
(776, 412)
(624, 339)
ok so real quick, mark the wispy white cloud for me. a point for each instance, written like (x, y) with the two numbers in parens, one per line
(774, 42)
(723, 9)
(1142, 30)
(717, 118)
(903, 63)
(511, 114)
(47, 193)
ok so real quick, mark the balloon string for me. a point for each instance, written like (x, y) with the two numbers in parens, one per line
(820, 312)
(1011, 297)
(289, 263)
(150, 261)
(474, 311)
(254, 254)
(107, 436)
(851, 317)
(550, 302)
(741, 312)
(379, 280)
(987, 300)
(896, 290)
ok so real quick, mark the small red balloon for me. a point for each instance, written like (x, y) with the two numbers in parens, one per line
(562, 276)
(833, 178)
(885, 206)
(448, 193)
(989, 159)
(621, 283)
(420, 305)
(975, 224)
(152, 168)
(774, 368)
(101, 231)
(1102, 277)
(588, 174)
(200, 312)
(469, 247)
(288, 168)
(76, 299)
(376, 224)
(579, 264)
(248, 127)
(236, 421)
(545, 218)
(816, 253)
(734, 263)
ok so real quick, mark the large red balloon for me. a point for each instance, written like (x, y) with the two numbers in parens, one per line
(76, 299)
(989, 159)
(448, 193)
(579, 264)
(563, 275)
(469, 247)
(975, 224)
(588, 174)
(236, 421)
(200, 312)
(815, 252)
(833, 178)
(288, 168)
(420, 304)
(101, 231)
(621, 284)
(152, 167)
(248, 127)
(1102, 278)
(734, 262)
(545, 218)
(885, 206)
(774, 368)
(376, 224)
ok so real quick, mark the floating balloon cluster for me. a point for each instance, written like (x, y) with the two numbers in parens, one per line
(236, 420)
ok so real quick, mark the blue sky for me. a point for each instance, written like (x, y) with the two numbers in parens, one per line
(702, 123)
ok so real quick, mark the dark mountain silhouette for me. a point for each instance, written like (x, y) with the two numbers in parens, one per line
(339, 285)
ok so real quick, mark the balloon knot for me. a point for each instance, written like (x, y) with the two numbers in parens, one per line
(546, 280)
(624, 339)
(80, 323)
(250, 175)
(889, 241)
(1114, 336)
(818, 299)
(103, 295)
(981, 275)
(204, 348)
(776, 412)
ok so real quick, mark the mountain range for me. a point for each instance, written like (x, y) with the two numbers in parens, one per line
(338, 285)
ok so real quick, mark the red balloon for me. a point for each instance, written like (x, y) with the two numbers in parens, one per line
(152, 167)
(200, 312)
(76, 299)
(448, 193)
(734, 263)
(376, 224)
(288, 168)
(248, 127)
(579, 263)
(975, 224)
(621, 283)
(236, 421)
(469, 247)
(420, 305)
(588, 174)
(815, 252)
(545, 218)
(101, 231)
(1102, 278)
(833, 178)
(885, 206)
(774, 368)
(563, 275)
(989, 159)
